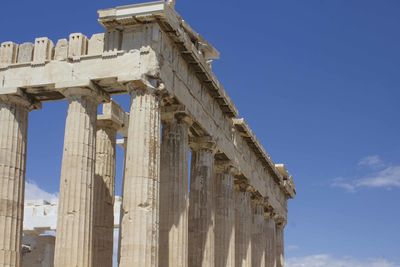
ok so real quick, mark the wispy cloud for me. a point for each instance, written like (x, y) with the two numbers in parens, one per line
(379, 175)
(34, 192)
(324, 260)
(346, 185)
(388, 178)
(371, 161)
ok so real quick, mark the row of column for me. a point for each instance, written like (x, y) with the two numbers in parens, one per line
(162, 224)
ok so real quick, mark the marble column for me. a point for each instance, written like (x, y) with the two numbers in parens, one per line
(258, 238)
(271, 242)
(140, 203)
(280, 255)
(174, 195)
(224, 215)
(243, 224)
(201, 204)
(74, 239)
(104, 190)
(13, 141)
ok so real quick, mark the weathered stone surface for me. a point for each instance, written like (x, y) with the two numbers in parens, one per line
(13, 141)
(43, 50)
(181, 81)
(224, 215)
(112, 40)
(271, 243)
(74, 242)
(258, 238)
(153, 51)
(174, 195)
(39, 250)
(201, 205)
(78, 45)
(280, 255)
(150, 46)
(140, 206)
(243, 225)
(25, 52)
(96, 44)
(61, 50)
(104, 190)
(8, 53)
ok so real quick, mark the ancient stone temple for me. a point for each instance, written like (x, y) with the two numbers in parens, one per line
(233, 209)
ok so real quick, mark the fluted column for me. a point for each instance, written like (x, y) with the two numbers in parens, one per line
(140, 203)
(271, 242)
(13, 141)
(243, 224)
(201, 205)
(74, 240)
(280, 255)
(224, 215)
(174, 195)
(104, 189)
(258, 239)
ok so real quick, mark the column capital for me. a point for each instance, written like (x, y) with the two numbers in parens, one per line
(82, 88)
(280, 221)
(175, 112)
(203, 143)
(269, 213)
(16, 96)
(143, 85)
(241, 185)
(257, 200)
(226, 166)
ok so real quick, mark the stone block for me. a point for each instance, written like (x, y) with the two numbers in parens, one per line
(128, 40)
(96, 44)
(61, 50)
(43, 50)
(78, 44)
(25, 52)
(8, 53)
(39, 251)
(113, 40)
(114, 111)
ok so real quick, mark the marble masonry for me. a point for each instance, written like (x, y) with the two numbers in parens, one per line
(231, 212)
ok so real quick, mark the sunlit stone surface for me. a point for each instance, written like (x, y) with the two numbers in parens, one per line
(235, 211)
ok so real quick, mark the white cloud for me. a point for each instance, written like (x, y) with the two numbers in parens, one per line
(324, 260)
(342, 183)
(380, 175)
(34, 192)
(372, 162)
(388, 178)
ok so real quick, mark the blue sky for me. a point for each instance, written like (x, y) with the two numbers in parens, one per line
(318, 81)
